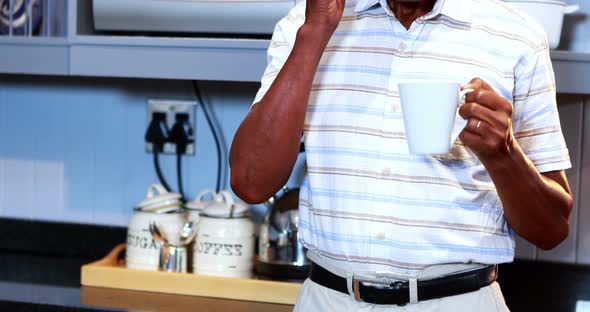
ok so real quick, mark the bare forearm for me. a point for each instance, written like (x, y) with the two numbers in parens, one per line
(266, 145)
(535, 206)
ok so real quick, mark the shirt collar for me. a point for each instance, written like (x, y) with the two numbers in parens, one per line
(459, 10)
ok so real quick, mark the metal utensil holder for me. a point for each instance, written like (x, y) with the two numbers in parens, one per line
(173, 258)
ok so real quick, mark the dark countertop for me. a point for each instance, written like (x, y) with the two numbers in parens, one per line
(35, 297)
(40, 270)
(34, 282)
(39, 274)
(30, 282)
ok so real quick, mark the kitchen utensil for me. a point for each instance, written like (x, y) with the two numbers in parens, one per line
(26, 16)
(188, 233)
(172, 259)
(548, 13)
(225, 242)
(157, 234)
(162, 208)
(280, 253)
(435, 132)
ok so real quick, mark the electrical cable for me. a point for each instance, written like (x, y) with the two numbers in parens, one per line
(213, 132)
(179, 175)
(224, 152)
(159, 170)
(181, 135)
(157, 133)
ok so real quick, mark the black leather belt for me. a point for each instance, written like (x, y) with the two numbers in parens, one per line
(398, 293)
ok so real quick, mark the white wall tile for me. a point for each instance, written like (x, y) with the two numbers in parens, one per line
(2, 185)
(50, 143)
(81, 122)
(18, 150)
(2, 134)
(48, 190)
(109, 161)
(18, 189)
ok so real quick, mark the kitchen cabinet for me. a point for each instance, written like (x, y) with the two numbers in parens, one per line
(570, 70)
(76, 50)
(168, 58)
(38, 56)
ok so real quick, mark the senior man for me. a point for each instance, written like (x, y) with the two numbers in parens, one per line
(388, 230)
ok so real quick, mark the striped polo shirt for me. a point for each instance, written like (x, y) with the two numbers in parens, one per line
(366, 203)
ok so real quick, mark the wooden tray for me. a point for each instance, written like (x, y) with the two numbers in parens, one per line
(110, 273)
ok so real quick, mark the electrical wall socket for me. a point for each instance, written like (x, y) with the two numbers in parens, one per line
(171, 108)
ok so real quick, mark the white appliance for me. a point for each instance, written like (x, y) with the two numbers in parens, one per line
(257, 17)
(548, 13)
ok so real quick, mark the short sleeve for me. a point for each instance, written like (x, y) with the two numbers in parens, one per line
(281, 45)
(537, 127)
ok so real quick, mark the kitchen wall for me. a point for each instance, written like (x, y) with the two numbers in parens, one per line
(72, 150)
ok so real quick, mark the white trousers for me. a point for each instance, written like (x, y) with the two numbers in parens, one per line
(314, 297)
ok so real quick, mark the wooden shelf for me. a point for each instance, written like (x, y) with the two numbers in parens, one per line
(223, 59)
(169, 58)
(37, 56)
(136, 57)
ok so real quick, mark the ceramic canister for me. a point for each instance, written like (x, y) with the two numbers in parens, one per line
(225, 242)
(161, 207)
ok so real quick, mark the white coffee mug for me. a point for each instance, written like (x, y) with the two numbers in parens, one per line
(430, 115)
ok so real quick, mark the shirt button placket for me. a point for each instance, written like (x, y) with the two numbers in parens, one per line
(389, 107)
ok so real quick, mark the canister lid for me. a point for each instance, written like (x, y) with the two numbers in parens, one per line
(204, 198)
(159, 200)
(226, 210)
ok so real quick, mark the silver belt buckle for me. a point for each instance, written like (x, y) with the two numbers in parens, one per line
(357, 282)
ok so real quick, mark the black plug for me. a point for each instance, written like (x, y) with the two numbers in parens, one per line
(157, 132)
(182, 133)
